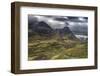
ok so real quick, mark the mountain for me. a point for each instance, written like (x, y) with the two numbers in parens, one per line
(43, 29)
(66, 32)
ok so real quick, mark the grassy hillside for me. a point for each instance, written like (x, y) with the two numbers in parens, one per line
(55, 48)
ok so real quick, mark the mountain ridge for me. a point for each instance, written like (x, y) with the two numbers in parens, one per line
(43, 29)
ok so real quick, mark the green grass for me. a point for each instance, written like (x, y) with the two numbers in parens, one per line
(53, 48)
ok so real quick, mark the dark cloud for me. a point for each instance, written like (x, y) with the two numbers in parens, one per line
(32, 19)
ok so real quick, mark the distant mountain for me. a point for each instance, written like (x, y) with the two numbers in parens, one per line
(66, 32)
(43, 29)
